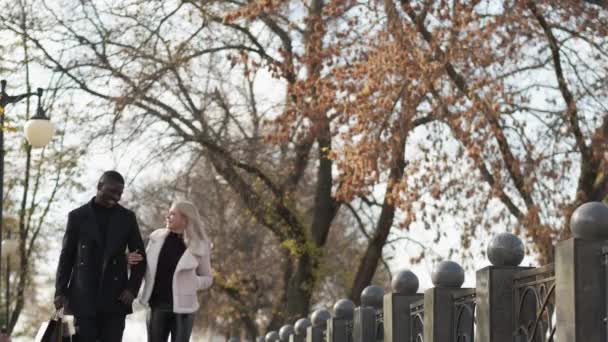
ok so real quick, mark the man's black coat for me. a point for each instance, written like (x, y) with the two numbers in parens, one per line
(92, 274)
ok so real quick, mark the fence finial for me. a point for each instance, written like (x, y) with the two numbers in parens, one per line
(301, 325)
(344, 309)
(405, 282)
(286, 331)
(373, 296)
(590, 221)
(319, 318)
(448, 274)
(506, 249)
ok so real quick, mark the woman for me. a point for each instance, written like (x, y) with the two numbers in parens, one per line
(178, 267)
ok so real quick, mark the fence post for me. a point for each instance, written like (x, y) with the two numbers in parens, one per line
(300, 330)
(339, 327)
(365, 323)
(494, 291)
(315, 333)
(581, 276)
(397, 306)
(447, 277)
(286, 332)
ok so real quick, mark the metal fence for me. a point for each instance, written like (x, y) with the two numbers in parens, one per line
(417, 321)
(566, 301)
(464, 316)
(534, 292)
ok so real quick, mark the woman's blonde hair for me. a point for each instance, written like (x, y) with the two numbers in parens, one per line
(195, 236)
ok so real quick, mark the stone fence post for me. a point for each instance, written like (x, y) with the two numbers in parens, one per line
(494, 290)
(447, 277)
(581, 277)
(397, 306)
(368, 316)
(340, 326)
(286, 332)
(300, 330)
(315, 333)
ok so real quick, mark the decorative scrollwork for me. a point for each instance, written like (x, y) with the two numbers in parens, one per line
(417, 321)
(464, 316)
(534, 294)
(379, 326)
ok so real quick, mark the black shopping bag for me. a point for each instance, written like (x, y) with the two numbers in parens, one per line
(57, 330)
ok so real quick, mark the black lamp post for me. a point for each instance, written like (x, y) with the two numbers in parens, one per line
(38, 132)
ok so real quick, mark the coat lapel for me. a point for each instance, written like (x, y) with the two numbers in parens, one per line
(186, 262)
(154, 246)
(92, 225)
(111, 237)
(115, 230)
(157, 239)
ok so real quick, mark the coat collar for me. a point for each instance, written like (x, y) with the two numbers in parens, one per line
(111, 228)
(188, 260)
(91, 205)
(159, 234)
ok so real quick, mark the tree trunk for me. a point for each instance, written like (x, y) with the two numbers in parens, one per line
(373, 254)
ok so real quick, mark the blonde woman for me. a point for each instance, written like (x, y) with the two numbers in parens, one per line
(178, 267)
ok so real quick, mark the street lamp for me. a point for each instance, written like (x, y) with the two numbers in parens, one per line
(38, 132)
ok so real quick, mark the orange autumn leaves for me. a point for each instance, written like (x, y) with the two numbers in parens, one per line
(469, 88)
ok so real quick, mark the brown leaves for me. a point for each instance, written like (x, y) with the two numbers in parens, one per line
(254, 9)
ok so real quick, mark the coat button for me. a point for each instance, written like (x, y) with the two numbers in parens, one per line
(115, 278)
(114, 262)
(84, 246)
(82, 262)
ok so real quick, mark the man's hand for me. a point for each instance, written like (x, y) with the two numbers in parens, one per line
(134, 258)
(59, 302)
(126, 297)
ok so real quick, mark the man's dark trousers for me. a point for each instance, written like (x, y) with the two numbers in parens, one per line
(103, 328)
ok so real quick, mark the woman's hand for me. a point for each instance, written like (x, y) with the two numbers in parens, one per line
(134, 258)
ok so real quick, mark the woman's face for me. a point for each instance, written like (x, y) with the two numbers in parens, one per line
(175, 220)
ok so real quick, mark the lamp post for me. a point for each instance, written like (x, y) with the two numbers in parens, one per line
(38, 132)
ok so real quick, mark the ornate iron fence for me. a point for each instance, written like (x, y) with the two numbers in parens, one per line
(510, 303)
(464, 316)
(534, 294)
(417, 321)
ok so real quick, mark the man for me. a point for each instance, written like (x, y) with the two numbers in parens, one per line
(92, 281)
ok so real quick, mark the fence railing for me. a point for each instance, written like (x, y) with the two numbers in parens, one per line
(417, 321)
(464, 316)
(535, 304)
(566, 301)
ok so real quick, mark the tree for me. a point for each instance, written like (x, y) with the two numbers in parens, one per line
(516, 106)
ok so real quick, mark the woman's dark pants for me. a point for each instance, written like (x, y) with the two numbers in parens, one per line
(164, 322)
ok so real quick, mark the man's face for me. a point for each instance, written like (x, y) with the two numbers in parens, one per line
(109, 193)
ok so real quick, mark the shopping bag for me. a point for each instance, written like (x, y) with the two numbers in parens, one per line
(57, 329)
